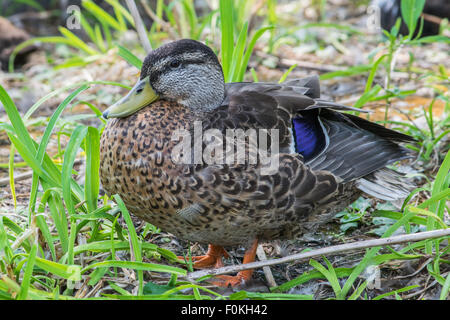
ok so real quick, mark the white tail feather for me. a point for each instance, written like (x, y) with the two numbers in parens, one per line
(385, 184)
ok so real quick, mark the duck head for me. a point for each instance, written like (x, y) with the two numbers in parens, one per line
(184, 71)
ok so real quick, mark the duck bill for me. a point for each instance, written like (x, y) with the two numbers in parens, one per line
(141, 95)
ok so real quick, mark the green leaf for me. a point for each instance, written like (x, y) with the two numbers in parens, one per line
(411, 10)
(129, 57)
(153, 288)
(70, 272)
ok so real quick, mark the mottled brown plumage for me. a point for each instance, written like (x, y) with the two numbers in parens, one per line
(231, 204)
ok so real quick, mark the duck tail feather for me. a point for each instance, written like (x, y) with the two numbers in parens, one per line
(385, 184)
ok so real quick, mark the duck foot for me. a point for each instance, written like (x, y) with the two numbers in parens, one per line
(226, 281)
(212, 258)
(243, 276)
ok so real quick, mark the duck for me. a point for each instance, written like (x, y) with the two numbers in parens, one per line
(234, 164)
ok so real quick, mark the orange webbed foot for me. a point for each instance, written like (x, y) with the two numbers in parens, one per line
(212, 258)
(243, 276)
(226, 281)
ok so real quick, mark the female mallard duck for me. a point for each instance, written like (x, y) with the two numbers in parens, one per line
(325, 158)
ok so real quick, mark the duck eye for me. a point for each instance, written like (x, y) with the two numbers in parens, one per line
(175, 64)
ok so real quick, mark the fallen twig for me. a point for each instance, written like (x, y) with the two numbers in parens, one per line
(267, 272)
(140, 28)
(19, 177)
(26, 175)
(325, 251)
(164, 25)
(283, 62)
(422, 266)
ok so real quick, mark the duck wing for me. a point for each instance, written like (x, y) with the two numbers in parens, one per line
(348, 146)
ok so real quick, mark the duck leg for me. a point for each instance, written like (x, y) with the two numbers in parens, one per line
(242, 276)
(212, 258)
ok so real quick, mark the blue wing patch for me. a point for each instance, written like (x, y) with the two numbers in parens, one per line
(309, 136)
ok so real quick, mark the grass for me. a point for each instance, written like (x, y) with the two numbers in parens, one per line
(69, 235)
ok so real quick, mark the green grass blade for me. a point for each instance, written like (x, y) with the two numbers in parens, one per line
(330, 274)
(32, 41)
(45, 231)
(133, 238)
(92, 178)
(129, 57)
(23, 294)
(16, 119)
(35, 106)
(46, 138)
(367, 96)
(307, 276)
(445, 288)
(286, 74)
(28, 156)
(352, 71)
(373, 72)
(106, 245)
(12, 187)
(238, 53)
(86, 26)
(70, 272)
(139, 266)
(442, 195)
(227, 34)
(69, 157)
(101, 14)
(54, 199)
(440, 184)
(99, 38)
(381, 296)
(249, 51)
(355, 295)
(77, 42)
(397, 215)
(124, 12)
